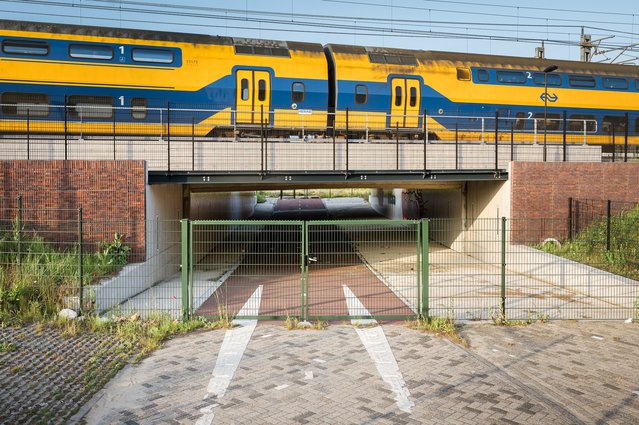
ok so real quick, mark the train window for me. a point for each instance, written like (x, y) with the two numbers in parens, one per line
(615, 83)
(637, 125)
(261, 90)
(361, 94)
(25, 104)
(413, 96)
(398, 96)
(637, 84)
(392, 59)
(138, 108)
(482, 75)
(513, 77)
(91, 51)
(581, 81)
(298, 90)
(553, 79)
(463, 74)
(616, 122)
(576, 122)
(244, 49)
(25, 47)
(152, 55)
(520, 121)
(90, 106)
(554, 121)
(245, 88)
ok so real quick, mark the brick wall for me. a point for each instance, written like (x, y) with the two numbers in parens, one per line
(540, 193)
(111, 194)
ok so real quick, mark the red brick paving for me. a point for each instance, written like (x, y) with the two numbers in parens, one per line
(337, 265)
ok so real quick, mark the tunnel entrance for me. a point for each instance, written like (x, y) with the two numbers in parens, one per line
(316, 269)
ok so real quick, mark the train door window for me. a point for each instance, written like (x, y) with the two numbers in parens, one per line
(463, 74)
(413, 96)
(245, 88)
(553, 79)
(637, 125)
(398, 96)
(138, 108)
(637, 84)
(613, 121)
(520, 121)
(261, 90)
(361, 94)
(25, 47)
(615, 83)
(25, 104)
(511, 77)
(298, 90)
(482, 75)
(90, 106)
(91, 51)
(554, 121)
(578, 121)
(581, 81)
(152, 55)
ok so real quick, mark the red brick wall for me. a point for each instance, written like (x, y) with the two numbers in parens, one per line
(540, 193)
(111, 194)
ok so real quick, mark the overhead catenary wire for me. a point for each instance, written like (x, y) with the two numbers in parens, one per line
(302, 23)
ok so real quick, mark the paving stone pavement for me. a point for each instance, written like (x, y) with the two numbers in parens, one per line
(538, 374)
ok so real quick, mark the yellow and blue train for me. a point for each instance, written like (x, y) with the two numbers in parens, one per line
(67, 75)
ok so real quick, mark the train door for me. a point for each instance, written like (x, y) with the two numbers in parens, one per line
(405, 102)
(253, 91)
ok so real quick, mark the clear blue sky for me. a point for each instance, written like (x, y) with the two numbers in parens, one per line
(482, 26)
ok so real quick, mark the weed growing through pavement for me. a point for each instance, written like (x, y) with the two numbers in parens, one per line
(439, 326)
(499, 319)
(7, 347)
(292, 323)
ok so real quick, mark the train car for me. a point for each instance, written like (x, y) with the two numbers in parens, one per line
(384, 89)
(90, 79)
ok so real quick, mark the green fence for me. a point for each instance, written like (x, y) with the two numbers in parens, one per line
(467, 269)
(472, 269)
(310, 270)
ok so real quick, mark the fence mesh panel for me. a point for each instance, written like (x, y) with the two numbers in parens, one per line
(363, 269)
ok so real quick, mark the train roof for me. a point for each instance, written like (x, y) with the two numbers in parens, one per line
(175, 37)
(473, 59)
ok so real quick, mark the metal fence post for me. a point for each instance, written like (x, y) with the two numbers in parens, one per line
(496, 141)
(19, 228)
(512, 141)
(397, 145)
(425, 125)
(503, 269)
(28, 134)
(425, 307)
(81, 262)
(614, 147)
(185, 268)
(625, 143)
(66, 128)
(114, 112)
(193, 143)
(346, 142)
(262, 151)
(608, 223)
(168, 136)
(564, 141)
(456, 145)
(304, 271)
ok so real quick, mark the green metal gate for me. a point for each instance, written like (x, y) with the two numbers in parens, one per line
(310, 270)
